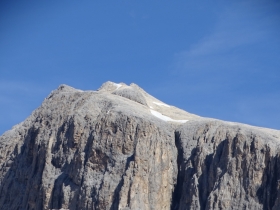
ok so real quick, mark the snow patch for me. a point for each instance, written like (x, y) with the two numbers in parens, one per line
(161, 104)
(165, 118)
(117, 85)
(151, 107)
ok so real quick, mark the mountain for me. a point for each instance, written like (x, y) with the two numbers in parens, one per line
(121, 148)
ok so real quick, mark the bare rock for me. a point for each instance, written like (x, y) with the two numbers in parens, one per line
(132, 94)
(223, 166)
(105, 150)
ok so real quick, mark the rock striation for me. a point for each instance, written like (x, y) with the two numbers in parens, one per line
(107, 149)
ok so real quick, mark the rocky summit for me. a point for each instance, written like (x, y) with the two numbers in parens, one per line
(121, 148)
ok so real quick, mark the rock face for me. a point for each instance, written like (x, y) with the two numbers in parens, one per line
(107, 149)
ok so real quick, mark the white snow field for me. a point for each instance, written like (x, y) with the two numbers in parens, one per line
(161, 104)
(165, 118)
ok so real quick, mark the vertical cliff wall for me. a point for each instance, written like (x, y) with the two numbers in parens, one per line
(106, 150)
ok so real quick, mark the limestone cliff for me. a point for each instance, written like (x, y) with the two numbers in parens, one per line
(121, 148)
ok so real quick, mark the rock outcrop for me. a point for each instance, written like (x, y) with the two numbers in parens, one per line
(120, 148)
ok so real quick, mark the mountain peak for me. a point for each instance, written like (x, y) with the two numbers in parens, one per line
(111, 86)
(121, 148)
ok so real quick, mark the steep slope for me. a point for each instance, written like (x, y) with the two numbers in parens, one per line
(121, 148)
(225, 166)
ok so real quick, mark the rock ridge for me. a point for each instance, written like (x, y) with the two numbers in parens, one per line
(104, 149)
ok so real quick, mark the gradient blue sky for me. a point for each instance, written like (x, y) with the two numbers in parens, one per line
(218, 59)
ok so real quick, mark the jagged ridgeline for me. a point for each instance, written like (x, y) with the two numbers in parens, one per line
(120, 148)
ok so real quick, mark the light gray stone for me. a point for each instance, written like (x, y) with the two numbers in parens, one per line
(105, 150)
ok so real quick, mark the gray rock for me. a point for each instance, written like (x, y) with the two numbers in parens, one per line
(106, 150)
(226, 166)
(132, 94)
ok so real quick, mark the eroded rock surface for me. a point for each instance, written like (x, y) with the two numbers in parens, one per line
(131, 94)
(105, 150)
(224, 166)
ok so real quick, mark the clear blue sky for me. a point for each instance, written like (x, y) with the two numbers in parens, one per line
(218, 59)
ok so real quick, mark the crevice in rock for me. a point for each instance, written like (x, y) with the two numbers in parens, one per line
(176, 197)
(57, 192)
(116, 198)
(269, 189)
